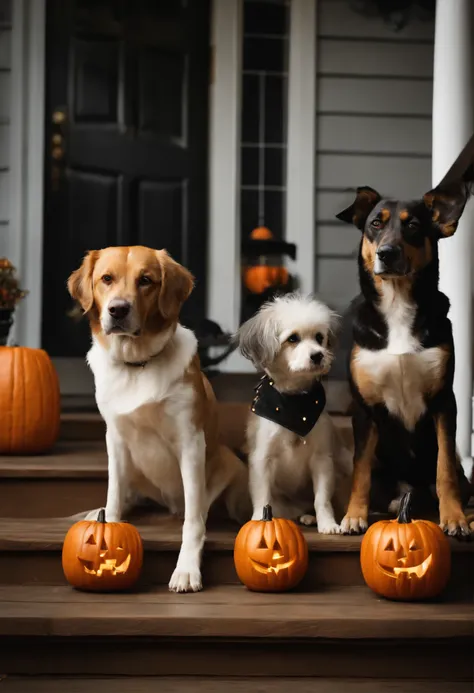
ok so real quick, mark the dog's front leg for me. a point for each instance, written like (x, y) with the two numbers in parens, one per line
(187, 574)
(451, 516)
(119, 476)
(365, 440)
(259, 471)
(323, 474)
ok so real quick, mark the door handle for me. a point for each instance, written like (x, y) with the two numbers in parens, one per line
(58, 146)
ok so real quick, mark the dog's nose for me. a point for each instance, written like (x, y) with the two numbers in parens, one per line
(317, 358)
(119, 309)
(389, 254)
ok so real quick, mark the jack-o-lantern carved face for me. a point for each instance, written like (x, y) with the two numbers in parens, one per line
(395, 560)
(102, 555)
(405, 559)
(270, 555)
(269, 559)
(100, 558)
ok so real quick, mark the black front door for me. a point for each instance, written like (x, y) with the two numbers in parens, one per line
(126, 142)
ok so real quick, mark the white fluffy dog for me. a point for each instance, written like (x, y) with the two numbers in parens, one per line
(296, 458)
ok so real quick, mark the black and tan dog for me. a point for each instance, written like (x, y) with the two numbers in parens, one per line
(402, 357)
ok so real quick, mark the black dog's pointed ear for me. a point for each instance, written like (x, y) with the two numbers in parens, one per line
(365, 200)
(446, 204)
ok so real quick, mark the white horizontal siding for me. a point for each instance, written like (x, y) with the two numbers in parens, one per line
(373, 125)
(337, 280)
(4, 146)
(5, 49)
(369, 134)
(400, 176)
(4, 196)
(4, 97)
(343, 56)
(374, 96)
(338, 239)
(330, 203)
(332, 12)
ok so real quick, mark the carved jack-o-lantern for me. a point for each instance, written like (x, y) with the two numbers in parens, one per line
(405, 559)
(102, 556)
(270, 555)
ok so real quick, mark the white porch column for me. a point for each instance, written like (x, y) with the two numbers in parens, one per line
(452, 128)
(301, 152)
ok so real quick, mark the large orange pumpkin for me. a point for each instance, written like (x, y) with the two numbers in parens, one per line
(100, 556)
(270, 555)
(406, 559)
(29, 401)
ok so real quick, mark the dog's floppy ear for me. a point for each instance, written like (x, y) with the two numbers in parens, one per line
(176, 285)
(365, 200)
(80, 282)
(446, 204)
(258, 338)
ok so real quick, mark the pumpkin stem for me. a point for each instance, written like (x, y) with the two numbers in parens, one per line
(404, 515)
(101, 515)
(267, 513)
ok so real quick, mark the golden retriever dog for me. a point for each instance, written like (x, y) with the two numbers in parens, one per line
(159, 408)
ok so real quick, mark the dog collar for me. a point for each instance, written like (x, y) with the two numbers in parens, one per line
(140, 364)
(298, 413)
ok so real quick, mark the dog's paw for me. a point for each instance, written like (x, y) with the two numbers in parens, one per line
(307, 520)
(185, 581)
(353, 525)
(456, 526)
(329, 528)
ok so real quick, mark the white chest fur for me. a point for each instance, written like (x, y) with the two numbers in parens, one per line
(404, 373)
(122, 389)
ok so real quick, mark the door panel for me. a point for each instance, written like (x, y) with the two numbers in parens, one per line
(126, 142)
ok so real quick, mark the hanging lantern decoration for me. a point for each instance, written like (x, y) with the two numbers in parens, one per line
(271, 554)
(405, 559)
(263, 270)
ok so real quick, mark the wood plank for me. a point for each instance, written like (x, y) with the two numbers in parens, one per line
(374, 96)
(219, 684)
(396, 176)
(78, 459)
(443, 660)
(335, 18)
(346, 57)
(162, 532)
(337, 614)
(345, 133)
(159, 531)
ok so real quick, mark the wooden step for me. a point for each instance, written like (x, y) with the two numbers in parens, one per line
(230, 631)
(73, 477)
(220, 684)
(30, 553)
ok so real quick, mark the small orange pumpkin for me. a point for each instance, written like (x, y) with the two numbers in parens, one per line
(270, 555)
(29, 401)
(100, 556)
(405, 559)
